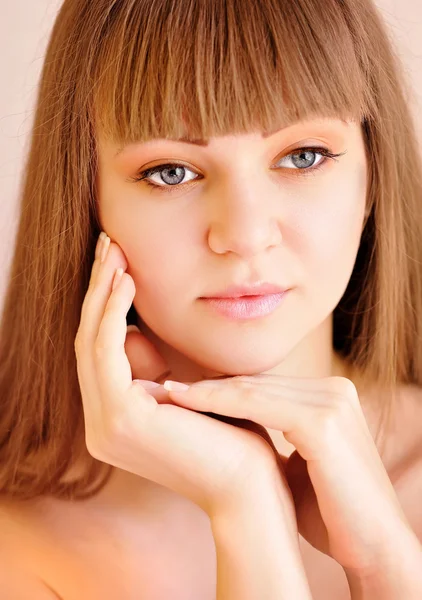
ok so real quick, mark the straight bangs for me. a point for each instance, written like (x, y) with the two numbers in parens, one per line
(244, 66)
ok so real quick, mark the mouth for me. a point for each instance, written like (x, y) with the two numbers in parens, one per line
(257, 288)
(245, 307)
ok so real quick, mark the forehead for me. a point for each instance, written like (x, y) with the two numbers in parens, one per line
(345, 124)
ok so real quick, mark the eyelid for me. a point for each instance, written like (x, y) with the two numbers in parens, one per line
(166, 162)
(143, 173)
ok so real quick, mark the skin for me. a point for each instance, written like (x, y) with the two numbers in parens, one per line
(321, 417)
(172, 250)
(240, 220)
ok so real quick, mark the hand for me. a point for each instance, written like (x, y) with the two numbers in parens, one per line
(211, 461)
(345, 503)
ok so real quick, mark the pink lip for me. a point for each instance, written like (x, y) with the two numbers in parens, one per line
(246, 307)
(256, 289)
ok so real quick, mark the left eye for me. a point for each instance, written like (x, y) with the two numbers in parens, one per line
(171, 175)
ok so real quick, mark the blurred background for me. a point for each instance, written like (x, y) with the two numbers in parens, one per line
(25, 26)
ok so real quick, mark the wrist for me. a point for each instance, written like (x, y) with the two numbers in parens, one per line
(258, 539)
(396, 572)
(263, 495)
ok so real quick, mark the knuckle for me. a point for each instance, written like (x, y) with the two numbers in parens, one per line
(343, 386)
(100, 349)
(332, 414)
(93, 446)
(237, 382)
(113, 431)
(78, 343)
(103, 443)
(325, 422)
(249, 399)
(93, 450)
(346, 390)
(214, 396)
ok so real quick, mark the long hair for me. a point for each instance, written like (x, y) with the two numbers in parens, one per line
(139, 69)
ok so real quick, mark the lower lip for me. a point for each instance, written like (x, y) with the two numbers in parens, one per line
(246, 307)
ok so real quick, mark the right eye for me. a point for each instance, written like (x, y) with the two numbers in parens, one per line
(168, 176)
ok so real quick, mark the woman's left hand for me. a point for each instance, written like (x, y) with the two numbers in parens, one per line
(345, 502)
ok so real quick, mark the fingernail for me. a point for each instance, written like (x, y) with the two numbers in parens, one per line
(175, 386)
(117, 278)
(104, 250)
(100, 243)
(132, 328)
(147, 385)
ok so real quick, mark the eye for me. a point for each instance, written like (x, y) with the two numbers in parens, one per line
(168, 175)
(304, 159)
(171, 176)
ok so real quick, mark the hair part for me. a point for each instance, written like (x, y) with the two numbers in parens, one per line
(137, 70)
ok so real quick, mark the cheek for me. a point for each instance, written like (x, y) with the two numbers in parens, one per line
(159, 259)
(149, 236)
(330, 231)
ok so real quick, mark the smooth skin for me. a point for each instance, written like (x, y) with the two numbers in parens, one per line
(248, 211)
(243, 211)
(159, 435)
(231, 472)
(345, 502)
(209, 462)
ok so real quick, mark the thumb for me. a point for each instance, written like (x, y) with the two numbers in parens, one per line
(144, 359)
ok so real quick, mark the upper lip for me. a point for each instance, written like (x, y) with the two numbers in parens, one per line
(255, 289)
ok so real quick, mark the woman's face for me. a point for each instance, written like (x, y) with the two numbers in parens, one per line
(242, 208)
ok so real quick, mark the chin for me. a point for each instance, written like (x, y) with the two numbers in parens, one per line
(243, 362)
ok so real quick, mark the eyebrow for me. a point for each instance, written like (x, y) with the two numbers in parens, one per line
(205, 142)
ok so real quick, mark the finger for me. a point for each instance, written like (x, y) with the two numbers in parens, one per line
(94, 274)
(309, 390)
(86, 380)
(91, 314)
(270, 407)
(99, 292)
(112, 364)
(341, 384)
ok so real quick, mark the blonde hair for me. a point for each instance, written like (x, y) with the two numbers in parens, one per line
(138, 69)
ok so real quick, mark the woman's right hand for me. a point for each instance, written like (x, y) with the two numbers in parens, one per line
(211, 460)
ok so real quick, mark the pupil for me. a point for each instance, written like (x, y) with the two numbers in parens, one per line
(304, 157)
(174, 173)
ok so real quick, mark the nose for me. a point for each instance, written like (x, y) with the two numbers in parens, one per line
(244, 221)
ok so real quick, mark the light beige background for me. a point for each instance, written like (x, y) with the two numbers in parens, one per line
(24, 30)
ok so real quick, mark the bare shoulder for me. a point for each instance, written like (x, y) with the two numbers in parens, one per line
(107, 549)
(20, 577)
(17, 583)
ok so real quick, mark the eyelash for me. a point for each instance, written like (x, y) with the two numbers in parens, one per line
(142, 175)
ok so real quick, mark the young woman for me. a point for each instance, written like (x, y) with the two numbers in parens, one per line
(226, 195)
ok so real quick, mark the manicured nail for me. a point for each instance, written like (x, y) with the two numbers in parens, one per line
(117, 278)
(99, 245)
(175, 386)
(104, 250)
